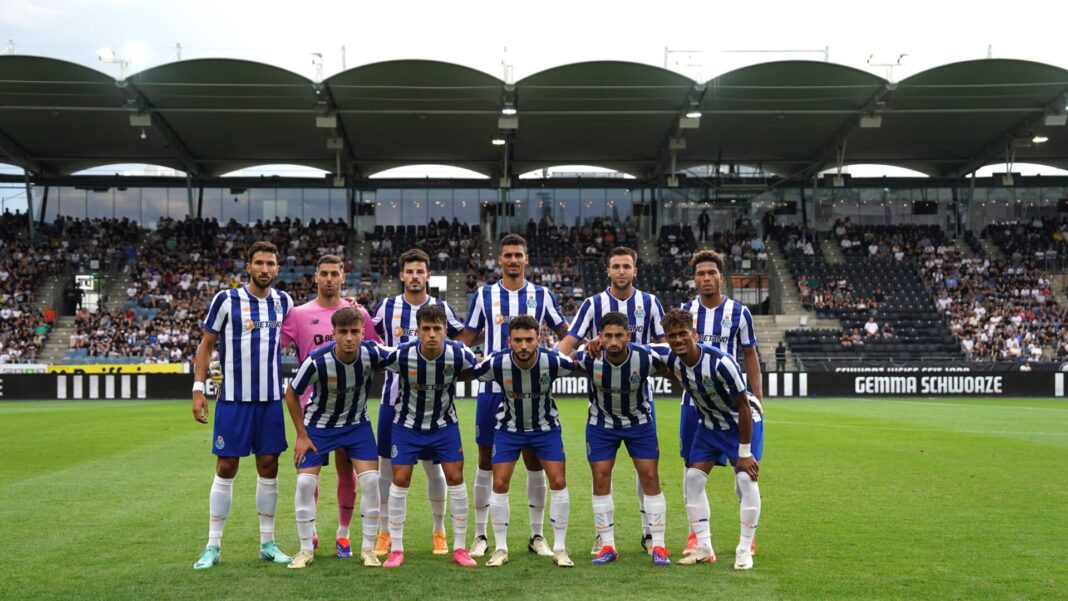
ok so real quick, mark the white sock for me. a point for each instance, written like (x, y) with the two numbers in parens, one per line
(685, 497)
(385, 478)
(559, 512)
(458, 513)
(304, 508)
(603, 509)
(482, 491)
(219, 499)
(501, 512)
(641, 504)
(656, 512)
(749, 511)
(697, 505)
(398, 513)
(536, 500)
(369, 507)
(435, 492)
(266, 504)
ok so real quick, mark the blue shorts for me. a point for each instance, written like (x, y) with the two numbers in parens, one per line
(602, 444)
(358, 440)
(719, 445)
(443, 446)
(688, 424)
(547, 445)
(244, 428)
(486, 407)
(386, 413)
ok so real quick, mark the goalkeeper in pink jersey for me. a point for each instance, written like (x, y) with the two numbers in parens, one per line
(308, 327)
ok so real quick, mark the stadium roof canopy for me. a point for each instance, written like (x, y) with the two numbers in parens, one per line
(792, 118)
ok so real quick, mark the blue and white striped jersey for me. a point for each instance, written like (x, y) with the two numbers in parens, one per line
(728, 327)
(711, 383)
(643, 310)
(340, 389)
(395, 322)
(493, 306)
(528, 404)
(250, 351)
(427, 387)
(620, 396)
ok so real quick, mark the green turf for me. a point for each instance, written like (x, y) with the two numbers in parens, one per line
(872, 499)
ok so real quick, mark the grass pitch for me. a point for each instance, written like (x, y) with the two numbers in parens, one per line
(862, 499)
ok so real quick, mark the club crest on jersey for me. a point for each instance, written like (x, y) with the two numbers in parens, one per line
(635, 377)
(640, 313)
(707, 382)
(544, 380)
(278, 306)
(448, 370)
(530, 298)
(726, 321)
(220, 443)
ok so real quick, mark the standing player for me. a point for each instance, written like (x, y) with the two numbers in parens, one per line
(731, 427)
(527, 421)
(339, 374)
(308, 327)
(621, 411)
(245, 323)
(395, 321)
(643, 312)
(727, 325)
(425, 424)
(491, 310)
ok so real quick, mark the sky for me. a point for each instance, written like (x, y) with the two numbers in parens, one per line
(703, 39)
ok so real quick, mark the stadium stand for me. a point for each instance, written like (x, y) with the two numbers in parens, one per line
(1041, 242)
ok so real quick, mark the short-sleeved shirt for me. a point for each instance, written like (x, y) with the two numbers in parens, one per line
(620, 396)
(528, 404)
(711, 382)
(339, 396)
(425, 401)
(643, 310)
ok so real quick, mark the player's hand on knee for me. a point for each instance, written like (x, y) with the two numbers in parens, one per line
(200, 407)
(301, 448)
(749, 466)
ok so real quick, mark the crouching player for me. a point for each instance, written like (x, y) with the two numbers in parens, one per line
(336, 418)
(731, 424)
(424, 424)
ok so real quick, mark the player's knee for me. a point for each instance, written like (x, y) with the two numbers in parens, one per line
(226, 467)
(558, 482)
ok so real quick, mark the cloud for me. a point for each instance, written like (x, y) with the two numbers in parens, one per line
(28, 14)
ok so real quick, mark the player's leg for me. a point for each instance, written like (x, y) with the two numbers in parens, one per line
(449, 454)
(304, 509)
(268, 442)
(346, 501)
(363, 454)
(644, 449)
(549, 448)
(749, 502)
(704, 454)
(507, 447)
(436, 490)
(405, 454)
(601, 448)
(385, 471)
(688, 424)
(536, 493)
(232, 436)
(485, 421)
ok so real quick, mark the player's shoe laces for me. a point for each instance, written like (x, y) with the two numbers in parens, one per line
(562, 559)
(691, 544)
(660, 556)
(269, 551)
(647, 543)
(597, 546)
(607, 555)
(344, 550)
(743, 558)
(538, 545)
(395, 559)
(301, 560)
(208, 558)
(382, 544)
(498, 559)
(440, 546)
(369, 559)
(462, 557)
(479, 546)
(701, 554)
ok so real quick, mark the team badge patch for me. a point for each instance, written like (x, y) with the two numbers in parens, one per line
(448, 370)
(726, 321)
(393, 452)
(544, 380)
(219, 443)
(589, 450)
(640, 313)
(635, 377)
(493, 451)
(707, 382)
